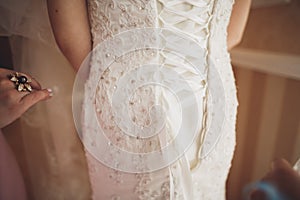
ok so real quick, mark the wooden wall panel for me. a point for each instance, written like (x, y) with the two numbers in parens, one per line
(275, 28)
(268, 121)
(289, 122)
(267, 126)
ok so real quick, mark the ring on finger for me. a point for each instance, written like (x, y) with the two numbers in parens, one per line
(21, 81)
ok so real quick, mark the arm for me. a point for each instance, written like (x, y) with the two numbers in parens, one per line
(237, 24)
(69, 21)
(12, 105)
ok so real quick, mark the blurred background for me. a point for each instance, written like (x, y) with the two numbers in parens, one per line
(267, 70)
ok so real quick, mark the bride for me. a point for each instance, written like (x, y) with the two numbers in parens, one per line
(80, 27)
(205, 21)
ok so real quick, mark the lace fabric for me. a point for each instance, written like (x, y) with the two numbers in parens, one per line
(205, 22)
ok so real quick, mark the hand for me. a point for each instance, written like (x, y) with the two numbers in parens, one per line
(283, 178)
(14, 103)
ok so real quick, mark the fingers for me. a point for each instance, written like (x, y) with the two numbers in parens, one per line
(280, 164)
(5, 74)
(34, 83)
(258, 195)
(9, 91)
(33, 98)
(6, 84)
(12, 97)
(14, 103)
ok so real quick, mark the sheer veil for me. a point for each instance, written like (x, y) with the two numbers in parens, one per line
(44, 139)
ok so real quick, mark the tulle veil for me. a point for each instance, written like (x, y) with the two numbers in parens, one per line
(44, 139)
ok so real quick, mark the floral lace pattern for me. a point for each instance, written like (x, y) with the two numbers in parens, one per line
(200, 20)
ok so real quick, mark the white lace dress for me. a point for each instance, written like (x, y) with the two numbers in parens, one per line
(196, 175)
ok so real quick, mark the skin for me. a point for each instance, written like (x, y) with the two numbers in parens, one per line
(74, 39)
(12, 105)
(238, 21)
(283, 178)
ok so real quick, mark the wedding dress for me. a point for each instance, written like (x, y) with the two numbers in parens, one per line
(201, 171)
(119, 61)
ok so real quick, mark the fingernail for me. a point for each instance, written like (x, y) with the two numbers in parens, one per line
(50, 92)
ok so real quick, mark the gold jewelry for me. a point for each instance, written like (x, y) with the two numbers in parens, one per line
(21, 82)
